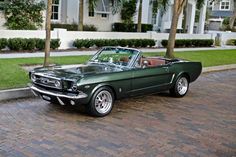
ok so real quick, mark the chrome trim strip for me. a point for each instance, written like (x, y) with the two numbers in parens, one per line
(46, 76)
(79, 96)
(173, 76)
(60, 101)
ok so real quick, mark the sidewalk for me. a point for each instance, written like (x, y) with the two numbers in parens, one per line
(79, 53)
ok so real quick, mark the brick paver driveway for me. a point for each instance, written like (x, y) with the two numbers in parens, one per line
(201, 124)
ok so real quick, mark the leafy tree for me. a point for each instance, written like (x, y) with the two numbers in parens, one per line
(23, 14)
(128, 10)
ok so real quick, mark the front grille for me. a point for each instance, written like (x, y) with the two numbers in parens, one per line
(47, 81)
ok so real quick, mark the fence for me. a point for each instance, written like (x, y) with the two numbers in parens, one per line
(67, 37)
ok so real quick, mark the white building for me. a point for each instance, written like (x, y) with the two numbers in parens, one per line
(67, 12)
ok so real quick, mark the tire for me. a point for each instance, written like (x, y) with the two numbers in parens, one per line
(181, 87)
(102, 102)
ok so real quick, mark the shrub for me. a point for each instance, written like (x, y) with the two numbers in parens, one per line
(190, 43)
(78, 43)
(55, 43)
(17, 44)
(122, 43)
(73, 27)
(69, 27)
(164, 43)
(89, 28)
(3, 43)
(40, 43)
(231, 42)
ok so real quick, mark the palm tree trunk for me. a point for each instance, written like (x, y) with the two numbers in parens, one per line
(232, 19)
(177, 9)
(48, 33)
(185, 19)
(81, 15)
(139, 28)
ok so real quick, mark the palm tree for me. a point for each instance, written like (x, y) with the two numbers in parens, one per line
(48, 33)
(81, 15)
(140, 8)
(233, 18)
(177, 9)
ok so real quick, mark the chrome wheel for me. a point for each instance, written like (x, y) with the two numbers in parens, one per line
(103, 102)
(182, 85)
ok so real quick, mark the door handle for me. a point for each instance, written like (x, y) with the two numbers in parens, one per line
(166, 68)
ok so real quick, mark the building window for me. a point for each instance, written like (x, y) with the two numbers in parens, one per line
(91, 13)
(103, 8)
(1, 4)
(225, 5)
(104, 15)
(55, 10)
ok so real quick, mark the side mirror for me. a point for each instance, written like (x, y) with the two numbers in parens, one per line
(145, 64)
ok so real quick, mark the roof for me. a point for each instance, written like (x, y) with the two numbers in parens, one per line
(222, 13)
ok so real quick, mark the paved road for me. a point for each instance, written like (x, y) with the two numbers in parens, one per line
(79, 53)
(201, 124)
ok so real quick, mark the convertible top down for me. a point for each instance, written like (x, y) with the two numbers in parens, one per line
(113, 73)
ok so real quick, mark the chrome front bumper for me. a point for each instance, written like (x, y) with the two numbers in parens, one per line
(59, 95)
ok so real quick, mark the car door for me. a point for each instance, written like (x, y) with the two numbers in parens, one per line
(152, 79)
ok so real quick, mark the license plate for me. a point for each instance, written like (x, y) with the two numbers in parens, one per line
(46, 97)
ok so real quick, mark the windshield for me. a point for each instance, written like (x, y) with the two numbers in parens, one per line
(117, 56)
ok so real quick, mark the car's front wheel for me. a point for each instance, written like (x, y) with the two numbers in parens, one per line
(102, 102)
(181, 86)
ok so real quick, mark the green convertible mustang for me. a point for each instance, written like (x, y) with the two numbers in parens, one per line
(113, 73)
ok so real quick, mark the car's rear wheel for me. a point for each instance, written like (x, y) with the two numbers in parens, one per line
(102, 102)
(181, 87)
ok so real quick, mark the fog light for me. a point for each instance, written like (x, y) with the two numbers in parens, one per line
(33, 77)
(57, 83)
(72, 102)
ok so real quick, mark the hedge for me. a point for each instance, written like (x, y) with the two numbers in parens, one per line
(3, 43)
(73, 27)
(123, 27)
(190, 43)
(87, 43)
(17, 44)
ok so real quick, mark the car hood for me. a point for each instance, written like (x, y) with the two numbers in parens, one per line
(76, 71)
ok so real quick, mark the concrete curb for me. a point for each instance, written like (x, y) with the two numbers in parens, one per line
(15, 93)
(26, 93)
(218, 68)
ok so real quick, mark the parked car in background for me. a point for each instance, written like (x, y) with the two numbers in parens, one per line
(113, 73)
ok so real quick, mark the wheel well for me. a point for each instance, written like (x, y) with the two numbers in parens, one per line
(187, 76)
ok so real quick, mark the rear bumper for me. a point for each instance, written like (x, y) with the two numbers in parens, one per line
(38, 91)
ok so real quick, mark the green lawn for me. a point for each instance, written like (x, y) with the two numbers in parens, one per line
(13, 76)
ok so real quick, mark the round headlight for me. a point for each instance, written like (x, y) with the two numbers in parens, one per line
(33, 77)
(57, 83)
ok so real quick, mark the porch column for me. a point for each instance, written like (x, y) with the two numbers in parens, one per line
(192, 18)
(202, 18)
